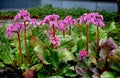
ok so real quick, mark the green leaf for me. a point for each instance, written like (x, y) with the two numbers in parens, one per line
(65, 55)
(66, 42)
(111, 27)
(92, 59)
(56, 77)
(81, 43)
(83, 70)
(41, 54)
(107, 74)
(61, 71)
(71, 73)
(101, 63)
(24, 67)
(40, 49)
(115, 66)
(1, 65)
(41, 76)
(37, 67)
(54, 60)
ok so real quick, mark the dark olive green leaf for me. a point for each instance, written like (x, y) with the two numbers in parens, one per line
(70, 73)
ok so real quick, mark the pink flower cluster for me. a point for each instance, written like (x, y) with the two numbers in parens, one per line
(70, 21)
(56, 41)
(82, 54)
(25, 16)
(62, 25)
(51, 20)
(16, 27)
(93, 18)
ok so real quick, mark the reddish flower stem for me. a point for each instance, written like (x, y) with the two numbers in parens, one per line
(25, 43)
(69, 30)
(54, 30)
(98, 35)
(63, 33)
(87, 38)
(20, 48)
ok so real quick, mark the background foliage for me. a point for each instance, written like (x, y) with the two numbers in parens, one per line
(41, 11)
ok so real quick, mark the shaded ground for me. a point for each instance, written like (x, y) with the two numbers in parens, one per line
(10, 72)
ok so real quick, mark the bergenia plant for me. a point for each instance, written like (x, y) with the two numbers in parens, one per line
(16, 28)
(22, 20)
(52, 21)
(24, 15)
(92, 18)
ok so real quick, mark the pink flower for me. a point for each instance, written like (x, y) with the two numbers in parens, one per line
(70, 21)
(33, 21)
(25, 16)
(82, 54)
(17, 17)
(74, 21)
(92, 18)
(49, 18)
(16, 27)
(52, 23)
(22, 14)
(50, 32)
(56, 41)
(61, 25)
(80, 20)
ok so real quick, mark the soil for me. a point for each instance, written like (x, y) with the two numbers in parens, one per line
(9, 72)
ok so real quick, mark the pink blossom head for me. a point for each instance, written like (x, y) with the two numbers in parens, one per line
(17, 17)
(53, 23)
(23, 14)
(49, 18)
(74, 21)
(69, 20)
(16, 27)
(54, 17)
(61, 25)
(50, 32)
(33, 21)
(99, 20)
(92, 18)
(82, 54)
(56, 41)
(80, 20)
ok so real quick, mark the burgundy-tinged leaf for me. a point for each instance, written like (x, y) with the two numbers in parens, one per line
(107, 48)
(29, 73)
(83, 71)
(109, 45)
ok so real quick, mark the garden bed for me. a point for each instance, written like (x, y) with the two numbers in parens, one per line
(59, 47)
